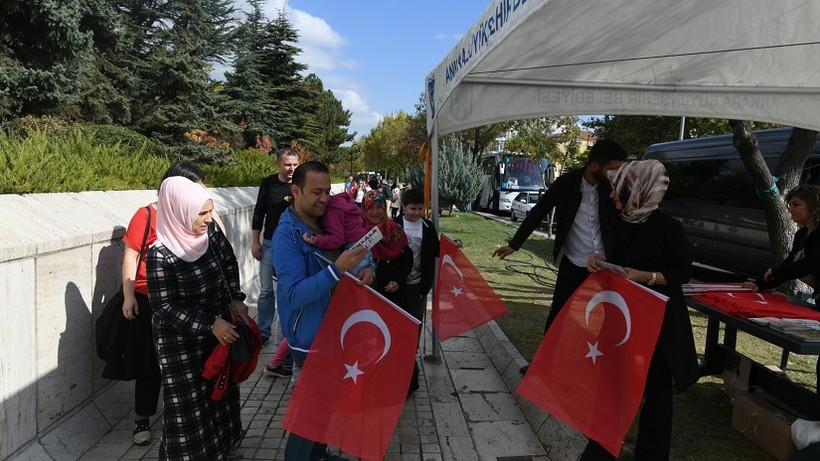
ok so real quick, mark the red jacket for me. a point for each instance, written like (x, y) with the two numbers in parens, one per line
(223, 372)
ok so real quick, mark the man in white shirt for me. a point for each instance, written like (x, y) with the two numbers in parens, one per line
(583, 212)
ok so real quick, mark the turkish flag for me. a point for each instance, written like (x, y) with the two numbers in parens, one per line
(590, 369)
(462, 300)
(353, 384)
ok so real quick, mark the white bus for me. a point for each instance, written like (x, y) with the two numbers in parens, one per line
(506, 174)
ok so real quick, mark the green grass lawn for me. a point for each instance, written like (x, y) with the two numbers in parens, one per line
(525, 281)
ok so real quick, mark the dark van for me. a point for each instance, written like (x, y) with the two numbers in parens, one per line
(711, 194)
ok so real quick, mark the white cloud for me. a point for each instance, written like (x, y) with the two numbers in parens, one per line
(363, 118)
(448, 37)
(323, 53)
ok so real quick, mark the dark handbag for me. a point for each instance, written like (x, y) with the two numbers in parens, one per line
(242, 349)
(110, 341)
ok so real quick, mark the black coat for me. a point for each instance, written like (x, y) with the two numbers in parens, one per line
(660, 245)
(565, 196)
(808, 264)
(394, 270)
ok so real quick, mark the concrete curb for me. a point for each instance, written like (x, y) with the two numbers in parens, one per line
(559, 440)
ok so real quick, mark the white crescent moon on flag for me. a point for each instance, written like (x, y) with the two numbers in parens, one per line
(369, 316)
(618, 301)
(447, 259)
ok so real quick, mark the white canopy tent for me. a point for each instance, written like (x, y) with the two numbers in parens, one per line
(741, 59)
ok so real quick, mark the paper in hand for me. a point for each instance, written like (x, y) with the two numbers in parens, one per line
(611, 267)
(371, 238)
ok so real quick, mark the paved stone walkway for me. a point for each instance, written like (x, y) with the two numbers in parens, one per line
(462, 411)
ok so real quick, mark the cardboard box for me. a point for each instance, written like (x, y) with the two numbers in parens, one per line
(764, 423)
(737, 380)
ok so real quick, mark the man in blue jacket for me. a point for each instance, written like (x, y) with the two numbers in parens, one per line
(307, 278)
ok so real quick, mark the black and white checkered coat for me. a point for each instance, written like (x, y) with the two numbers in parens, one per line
(186, 298)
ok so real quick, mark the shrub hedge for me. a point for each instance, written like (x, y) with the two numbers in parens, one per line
(106, 158)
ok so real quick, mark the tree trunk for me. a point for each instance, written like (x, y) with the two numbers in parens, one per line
(772, 190)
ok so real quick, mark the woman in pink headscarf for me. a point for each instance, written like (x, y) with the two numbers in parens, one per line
(193, 281)
(653, 250)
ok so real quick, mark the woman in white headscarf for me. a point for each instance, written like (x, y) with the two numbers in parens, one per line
(193, 282)
(653, 250)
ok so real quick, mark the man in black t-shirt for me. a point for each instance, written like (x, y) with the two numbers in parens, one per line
(272, 201)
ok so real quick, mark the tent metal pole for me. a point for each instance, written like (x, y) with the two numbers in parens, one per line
(435, 355)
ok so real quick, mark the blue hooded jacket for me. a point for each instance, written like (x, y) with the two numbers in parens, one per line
(305, 281)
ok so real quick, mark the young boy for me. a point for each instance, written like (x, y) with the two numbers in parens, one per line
(422, 237)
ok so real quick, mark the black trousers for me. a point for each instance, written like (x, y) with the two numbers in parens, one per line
(146, 388)
(655, 423)
(570, 277)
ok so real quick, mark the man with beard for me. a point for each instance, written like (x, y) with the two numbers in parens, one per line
(583, 212)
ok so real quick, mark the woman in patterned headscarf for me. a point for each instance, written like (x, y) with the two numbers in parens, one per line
(653, 250)
(393, 257)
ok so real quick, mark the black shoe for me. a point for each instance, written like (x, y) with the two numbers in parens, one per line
(524, 369)
(327, 457)
(280, 371)
(142, 433)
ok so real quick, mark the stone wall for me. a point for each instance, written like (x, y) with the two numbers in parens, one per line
(60, 258)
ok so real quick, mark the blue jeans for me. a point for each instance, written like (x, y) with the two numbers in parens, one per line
(298, 448)
(266, 304)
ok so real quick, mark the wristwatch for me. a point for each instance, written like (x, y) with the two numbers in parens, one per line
(652, 279)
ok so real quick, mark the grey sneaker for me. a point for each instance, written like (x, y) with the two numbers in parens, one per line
(142, 433)
(279, 370)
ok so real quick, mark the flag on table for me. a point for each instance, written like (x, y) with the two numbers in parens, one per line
(590, 369)
(354, 382)
(462, 300)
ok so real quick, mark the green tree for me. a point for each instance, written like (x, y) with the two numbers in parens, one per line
(329, 123)
(459, 175)
(48, 54)
(182, 41)
(637, 132)
(393, 144)
(266, 93)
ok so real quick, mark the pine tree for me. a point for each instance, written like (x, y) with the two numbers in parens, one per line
(175, 92)
(328, 124)
(459, 175)
(48, 55)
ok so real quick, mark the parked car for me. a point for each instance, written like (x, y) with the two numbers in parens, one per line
(505, 200)
(711, 194)
(522, 204)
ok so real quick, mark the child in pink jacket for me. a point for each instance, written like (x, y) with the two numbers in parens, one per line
(343, 223)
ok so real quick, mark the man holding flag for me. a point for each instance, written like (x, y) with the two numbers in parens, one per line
(306, 280)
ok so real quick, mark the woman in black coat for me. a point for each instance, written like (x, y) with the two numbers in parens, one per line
(653, 250)
(803, 261)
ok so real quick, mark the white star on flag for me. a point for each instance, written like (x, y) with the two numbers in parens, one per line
(593, 353)
(456, 291)
(353, 372)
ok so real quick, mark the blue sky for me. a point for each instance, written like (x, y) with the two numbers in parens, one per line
(374, 55)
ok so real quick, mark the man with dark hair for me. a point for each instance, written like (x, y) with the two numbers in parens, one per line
(306, 278)
(583, 212)
(270, 203)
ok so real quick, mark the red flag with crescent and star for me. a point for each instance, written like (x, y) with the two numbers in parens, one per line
(462, 300)
(591, 367)
(354, 382)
